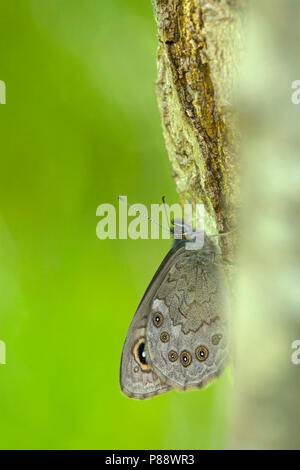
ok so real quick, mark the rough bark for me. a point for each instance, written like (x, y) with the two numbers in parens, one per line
(198, 55)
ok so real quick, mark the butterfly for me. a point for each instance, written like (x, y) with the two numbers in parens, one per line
(178, 338)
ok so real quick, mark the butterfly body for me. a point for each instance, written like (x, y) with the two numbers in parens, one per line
(178, 337)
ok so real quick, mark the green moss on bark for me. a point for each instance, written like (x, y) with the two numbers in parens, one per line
(199, 49)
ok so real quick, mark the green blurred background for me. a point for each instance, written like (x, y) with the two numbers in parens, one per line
(80, 127)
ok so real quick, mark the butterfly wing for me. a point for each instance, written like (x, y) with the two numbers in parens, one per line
(186, 334)
(137, 377)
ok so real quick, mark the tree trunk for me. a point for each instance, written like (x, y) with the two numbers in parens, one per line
(198, 56)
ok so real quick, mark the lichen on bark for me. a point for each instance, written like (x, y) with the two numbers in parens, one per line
(198, 55)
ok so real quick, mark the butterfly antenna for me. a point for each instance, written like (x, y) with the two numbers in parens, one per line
(224, 234)
(144, 215)
(166, 213)
(167, 216)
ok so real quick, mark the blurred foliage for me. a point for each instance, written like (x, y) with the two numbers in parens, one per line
(80, 127)
(266, 313)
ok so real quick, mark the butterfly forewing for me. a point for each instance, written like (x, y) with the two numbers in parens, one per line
(137, 377)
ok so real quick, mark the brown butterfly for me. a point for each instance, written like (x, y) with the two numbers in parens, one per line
(178, 338)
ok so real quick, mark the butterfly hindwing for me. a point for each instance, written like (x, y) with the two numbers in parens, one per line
(186, 333)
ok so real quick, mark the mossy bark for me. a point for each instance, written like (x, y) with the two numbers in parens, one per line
(198, 56)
